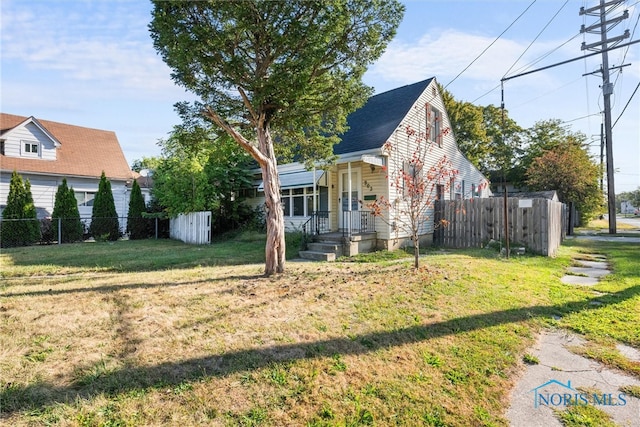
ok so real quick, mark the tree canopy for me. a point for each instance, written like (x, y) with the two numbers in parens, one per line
(277, 76)
(568, 169)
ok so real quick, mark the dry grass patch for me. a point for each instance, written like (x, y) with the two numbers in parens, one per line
(324, 344)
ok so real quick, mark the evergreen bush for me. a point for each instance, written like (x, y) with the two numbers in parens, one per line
(136, 224)
(104, 219)
(66, 209)
(20, 226)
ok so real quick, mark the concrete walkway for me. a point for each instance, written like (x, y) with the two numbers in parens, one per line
(540, 391)
(561, 374)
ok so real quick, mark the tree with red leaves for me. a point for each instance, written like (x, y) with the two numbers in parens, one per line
(417, 183)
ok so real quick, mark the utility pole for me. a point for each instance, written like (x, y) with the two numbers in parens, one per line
(603, 27)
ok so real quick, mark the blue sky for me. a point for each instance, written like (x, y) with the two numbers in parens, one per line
(92, 63)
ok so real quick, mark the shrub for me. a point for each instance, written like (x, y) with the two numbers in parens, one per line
(104, 219)
(20, 226)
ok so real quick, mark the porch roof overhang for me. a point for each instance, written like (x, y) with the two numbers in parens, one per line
(376, 156)
(297, 179)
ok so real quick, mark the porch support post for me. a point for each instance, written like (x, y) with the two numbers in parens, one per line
(315, 189)
(349, 198)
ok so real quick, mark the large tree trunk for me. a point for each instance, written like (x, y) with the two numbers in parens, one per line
(275, 247)
(265, 156)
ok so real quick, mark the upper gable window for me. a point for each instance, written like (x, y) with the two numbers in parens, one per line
(31, 148)
(434, 128)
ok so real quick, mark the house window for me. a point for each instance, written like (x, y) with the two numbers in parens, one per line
(85, 198)
(2, 147)
(286, 202)
(473, 191)
(411, 176)
(30, 148)
(434, 119)
(297, 201)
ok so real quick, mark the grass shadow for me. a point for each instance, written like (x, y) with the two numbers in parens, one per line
(15, 397)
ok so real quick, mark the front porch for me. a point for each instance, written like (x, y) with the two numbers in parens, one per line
(320, 242)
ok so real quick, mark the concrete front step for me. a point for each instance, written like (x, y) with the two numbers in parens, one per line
(330, 247)
(318, 256)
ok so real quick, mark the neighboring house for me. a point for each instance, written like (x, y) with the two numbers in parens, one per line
(626, 207)
(45, 152)
(336, 199)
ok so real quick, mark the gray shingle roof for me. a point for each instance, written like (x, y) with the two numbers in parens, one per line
(372, 125)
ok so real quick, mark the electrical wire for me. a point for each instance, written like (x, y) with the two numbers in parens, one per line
(491, 44)
(536, 37)
(524, 67)
(625, 107)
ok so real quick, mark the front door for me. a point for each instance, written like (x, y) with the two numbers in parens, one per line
(345, 200)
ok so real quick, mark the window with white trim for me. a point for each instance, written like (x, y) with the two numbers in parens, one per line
(85, 198)
(297, 201)
(434, 128)
(30, 148)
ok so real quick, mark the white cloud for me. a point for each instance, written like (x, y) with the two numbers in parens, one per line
(450, 52)
(109, 46)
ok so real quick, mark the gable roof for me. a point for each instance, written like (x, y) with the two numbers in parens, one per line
(82, 152)
(37, 124)
(372, 125)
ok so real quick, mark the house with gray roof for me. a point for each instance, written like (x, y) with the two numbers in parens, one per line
(336, 201)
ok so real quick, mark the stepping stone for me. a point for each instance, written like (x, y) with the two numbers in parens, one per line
(579, 280)
(601, 265)
(589, 271)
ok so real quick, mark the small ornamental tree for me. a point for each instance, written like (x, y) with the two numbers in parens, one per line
(104, 219)
(136, 224)
(66, 214)
(416, 185)
(23, 228)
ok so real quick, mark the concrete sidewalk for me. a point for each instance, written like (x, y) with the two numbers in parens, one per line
(541, 389)
(561, 375)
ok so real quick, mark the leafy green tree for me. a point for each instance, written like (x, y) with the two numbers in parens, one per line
(150, 163)
(23, 228)
(568, 169)
(202, 170)
(136, 224)
(494, 146)
(104, 219)
(277, 76)
(66, 208)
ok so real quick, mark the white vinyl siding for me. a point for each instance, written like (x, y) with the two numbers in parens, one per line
(417, 119)
(22, 141)
(44, 191)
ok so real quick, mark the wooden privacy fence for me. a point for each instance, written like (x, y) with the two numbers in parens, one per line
(537, 224)
(194, 228)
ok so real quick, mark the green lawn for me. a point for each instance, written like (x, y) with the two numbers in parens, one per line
(162, 333)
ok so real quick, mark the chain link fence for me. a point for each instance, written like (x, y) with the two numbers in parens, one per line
(25, 232)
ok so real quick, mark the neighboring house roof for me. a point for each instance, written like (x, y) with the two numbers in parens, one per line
(82, 152)
(371, 126)
(548, 194)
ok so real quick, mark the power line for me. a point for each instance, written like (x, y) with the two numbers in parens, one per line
(491, 44)
(504, 79)
(625, 107)
(537, 36)
(524, 67)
